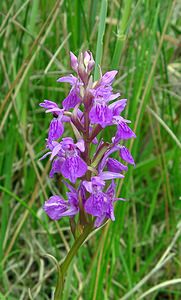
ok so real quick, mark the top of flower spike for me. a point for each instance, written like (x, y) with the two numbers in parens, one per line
(85, 61)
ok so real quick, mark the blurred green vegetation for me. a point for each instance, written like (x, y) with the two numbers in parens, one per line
(142, 248)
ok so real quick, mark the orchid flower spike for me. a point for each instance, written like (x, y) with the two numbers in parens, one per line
(87, 110)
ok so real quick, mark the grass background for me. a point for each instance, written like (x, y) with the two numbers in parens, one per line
(139, 255)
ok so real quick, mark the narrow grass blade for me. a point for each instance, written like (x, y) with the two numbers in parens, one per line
(101, 30)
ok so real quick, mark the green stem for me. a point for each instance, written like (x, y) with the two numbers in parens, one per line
(60, 285)
(64, 266)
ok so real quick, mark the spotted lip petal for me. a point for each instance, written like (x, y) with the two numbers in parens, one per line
(100, 203)
(97, 204)
(73, 168)
(101, 114)
(67, 160)
(56, 129)
(56, 167)
(72, 99)
(124, 132)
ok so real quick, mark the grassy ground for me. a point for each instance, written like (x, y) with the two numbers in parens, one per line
(139, 255)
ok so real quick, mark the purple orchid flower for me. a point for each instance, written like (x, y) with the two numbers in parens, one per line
(101, 113)
(68, 161)
(56, 127)
(73, 97)
(56, 207)
(124, 132)
(51, 106)
(100, 204)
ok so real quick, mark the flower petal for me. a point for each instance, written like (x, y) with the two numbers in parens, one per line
(81, 145)
(111, 190)
(110, 175)
(112, 97)
(119, 199)
(108, 77)
(45, 155)
(105, 157)
(73, 62)
(123, 132)
(51, 107)
(97, 204)
(72, 99)
(101, 114)
(99, 220)
(126, 155)
(114, 165)
(47, 104)
(55, 110)
(55, 151)
(68, 79)
(88, 186)
(56, 167)
(97, 181)
(56, 129)
(55, 206)
(118, 106)
(73, 199)
(73, 168)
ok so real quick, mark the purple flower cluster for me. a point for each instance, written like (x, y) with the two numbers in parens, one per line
(89, 108)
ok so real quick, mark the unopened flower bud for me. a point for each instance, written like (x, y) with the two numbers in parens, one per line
(73, 62)
(88, 61)
(82, 70)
